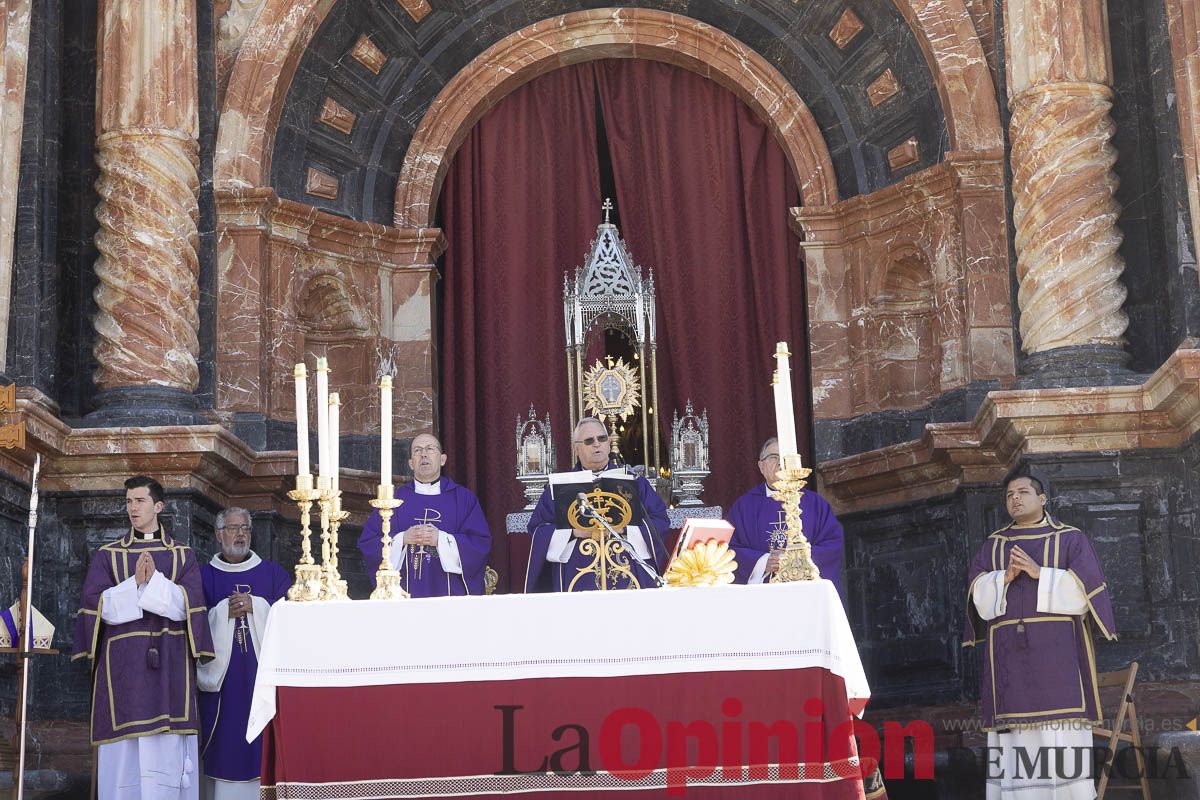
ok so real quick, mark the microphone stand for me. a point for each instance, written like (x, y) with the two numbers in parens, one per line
(589, 511)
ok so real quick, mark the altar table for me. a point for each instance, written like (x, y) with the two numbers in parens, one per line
(724, 692)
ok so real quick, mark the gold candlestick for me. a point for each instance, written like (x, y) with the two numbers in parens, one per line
(796, 563)
(308, 574)
(387, 579)
(332, 586)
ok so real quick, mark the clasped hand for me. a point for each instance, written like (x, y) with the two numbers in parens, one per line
(240, 605)
(423, 534)
(1018, 562)
(144, 570)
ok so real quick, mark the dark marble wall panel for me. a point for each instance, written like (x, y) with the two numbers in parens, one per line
(33, 325)
(906, 571)
(77, 205)
(207, 65)
(424, 56)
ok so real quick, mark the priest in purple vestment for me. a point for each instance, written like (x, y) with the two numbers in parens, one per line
(440, 539)
(1036, 593)
(555, 559)
(239, 589)
(143, 624)
(760, 528)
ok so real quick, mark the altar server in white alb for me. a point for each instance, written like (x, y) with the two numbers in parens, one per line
(240, 588)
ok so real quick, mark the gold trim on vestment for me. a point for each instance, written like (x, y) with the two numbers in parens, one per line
(992, 665)
(112, 706)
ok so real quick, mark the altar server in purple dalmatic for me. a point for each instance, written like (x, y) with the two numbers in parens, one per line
(440, 539)
(239, 588)
(556, 561)
(1035, 592)
(143, 623)
(760, 527)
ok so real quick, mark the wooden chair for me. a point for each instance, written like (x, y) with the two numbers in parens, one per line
(1123, 679)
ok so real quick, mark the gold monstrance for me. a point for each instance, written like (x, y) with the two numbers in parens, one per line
(610, 392)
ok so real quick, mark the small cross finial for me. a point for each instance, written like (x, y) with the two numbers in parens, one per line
(607, 206)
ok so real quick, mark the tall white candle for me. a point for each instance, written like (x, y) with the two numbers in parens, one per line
(785, 415)
(300, 373)
(335, 426)
(322, 419)
(385, 430)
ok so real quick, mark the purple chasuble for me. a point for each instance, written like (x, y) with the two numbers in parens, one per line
(759, 524)
(543, 576)
(144, 673)
(224, 715)
(1038, 667)
(454, 511)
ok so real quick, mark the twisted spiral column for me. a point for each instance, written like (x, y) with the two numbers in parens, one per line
(148, 297)
(1066, 217)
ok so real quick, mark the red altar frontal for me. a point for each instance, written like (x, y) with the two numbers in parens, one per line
(733, 691)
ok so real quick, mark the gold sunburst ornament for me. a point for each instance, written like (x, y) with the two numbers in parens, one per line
(709, 563)
(612, 389)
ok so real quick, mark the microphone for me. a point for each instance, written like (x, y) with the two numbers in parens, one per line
(585, 508)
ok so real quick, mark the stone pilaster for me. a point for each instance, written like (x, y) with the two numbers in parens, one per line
(148, 154)
(1059, 75)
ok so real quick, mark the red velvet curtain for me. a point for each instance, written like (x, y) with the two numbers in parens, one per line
(519, 205)
(703, 191)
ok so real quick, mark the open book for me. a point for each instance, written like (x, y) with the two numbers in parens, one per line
(695, 531)
(565, 488)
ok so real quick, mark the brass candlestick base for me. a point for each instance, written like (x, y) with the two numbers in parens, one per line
(796, 563)
(332, 585)
(308, 573)
(387, 579)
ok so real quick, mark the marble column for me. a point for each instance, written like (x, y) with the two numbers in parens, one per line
(14, 44)
(1059, 70)
(148, 153)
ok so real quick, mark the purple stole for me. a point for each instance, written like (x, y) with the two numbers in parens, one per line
(1038, 667)
(758, 523)
(144, 678)
(456, 511)
(542, 576)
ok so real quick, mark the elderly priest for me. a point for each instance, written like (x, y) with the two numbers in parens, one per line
(441, 540)
(558, 563)
(1035, 591)
(143, 622)
(239, 588)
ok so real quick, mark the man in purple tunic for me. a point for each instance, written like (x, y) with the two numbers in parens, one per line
(556, 561)
(239, 588)
(760, 527)
(143, 623)
(1035, 591)
(441, 541)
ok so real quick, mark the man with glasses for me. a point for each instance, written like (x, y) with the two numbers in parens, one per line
(240, 588)
(555, 559)
(760, 528)
(440, 539)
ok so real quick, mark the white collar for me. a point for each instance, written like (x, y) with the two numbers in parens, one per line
(427, 488)
(251, 561)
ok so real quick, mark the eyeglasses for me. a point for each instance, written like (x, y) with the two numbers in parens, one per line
(591, 440)
(770, 457)
(431, 449)
(236, 528)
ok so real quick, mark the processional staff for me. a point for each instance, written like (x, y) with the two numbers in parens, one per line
(26, 653)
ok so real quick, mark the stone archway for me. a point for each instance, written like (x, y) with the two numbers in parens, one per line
(271, 50)
(609, 33)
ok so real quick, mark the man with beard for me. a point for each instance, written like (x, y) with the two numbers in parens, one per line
(240, 588)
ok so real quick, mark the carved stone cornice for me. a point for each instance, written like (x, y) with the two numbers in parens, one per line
(1163, 412)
